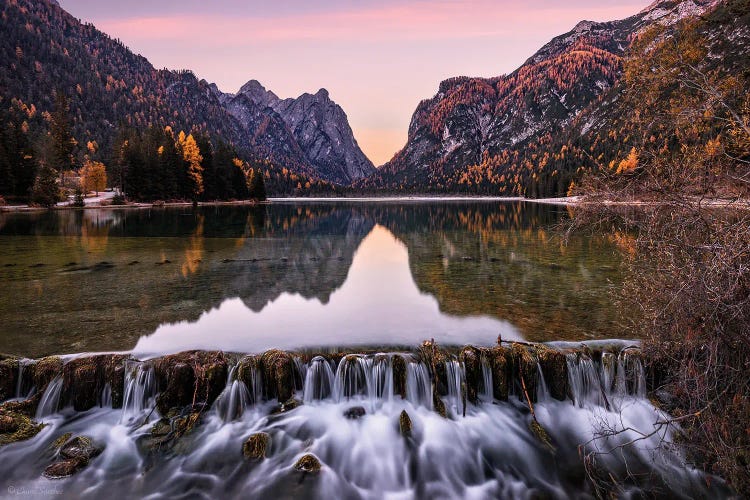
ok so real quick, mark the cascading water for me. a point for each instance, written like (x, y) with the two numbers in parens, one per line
(542, 393)
(490, 452)
(455, 380)
(232, 402)
(319, 380)
(584, 381)
(380, 380)
(418, 385)
(486, 394)
(23, 387)
(140, 389)
(50, 401)
(351, 377)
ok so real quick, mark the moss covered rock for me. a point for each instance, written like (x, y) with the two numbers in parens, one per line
(8, 378)
(308, 463)
(45, 370)
(15, 427)
(554, 365)
(499, 362)
(256, 446)
(278, 374)
(64, 468)
(470, 357)
(404, 424)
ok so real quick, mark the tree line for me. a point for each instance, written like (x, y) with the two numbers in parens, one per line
(42, 164)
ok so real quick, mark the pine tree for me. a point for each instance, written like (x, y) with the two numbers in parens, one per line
(46, 191)
(64, 144)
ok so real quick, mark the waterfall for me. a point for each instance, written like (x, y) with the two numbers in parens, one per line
(455, 381)
(542, 393)
(50, 399)
(418, 384)
(486, 394)
(609, 370)
(319, 380)
(106, 401)
(300, 372)
(634, 376)
(583, 378)
(381, 380)
(23, 390)
(235, 398)
(351, 377)
(140, 389)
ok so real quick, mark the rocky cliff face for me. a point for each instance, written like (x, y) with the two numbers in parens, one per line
(312, 129)
(471, 119)
(43, 47)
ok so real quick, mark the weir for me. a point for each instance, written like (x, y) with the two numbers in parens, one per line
(431, 421)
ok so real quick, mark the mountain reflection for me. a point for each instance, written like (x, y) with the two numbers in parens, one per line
(294, 275)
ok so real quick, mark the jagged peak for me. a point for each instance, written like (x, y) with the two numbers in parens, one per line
(257, 93)
(322, 93)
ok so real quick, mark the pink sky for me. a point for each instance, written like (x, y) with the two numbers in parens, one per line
(377, 59)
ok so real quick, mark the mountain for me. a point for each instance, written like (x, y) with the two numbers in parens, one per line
(469, 135)
(318, 131)
(43, 49)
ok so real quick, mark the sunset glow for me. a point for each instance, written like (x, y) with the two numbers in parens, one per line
(377, 59)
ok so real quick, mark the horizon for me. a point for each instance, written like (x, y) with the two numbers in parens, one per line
(375, 63)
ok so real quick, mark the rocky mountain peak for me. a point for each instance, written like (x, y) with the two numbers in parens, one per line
(317, 130)
(257, 93)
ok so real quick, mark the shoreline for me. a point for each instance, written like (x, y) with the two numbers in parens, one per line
(271, 200)
(566, 201)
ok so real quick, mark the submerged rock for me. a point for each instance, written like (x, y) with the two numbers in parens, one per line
(80, 448)
(308, 463)
(255, 447)
(64, 468)
(355, 412)
(286, 406)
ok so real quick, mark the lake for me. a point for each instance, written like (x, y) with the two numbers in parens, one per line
(279, 352)
(298, 275)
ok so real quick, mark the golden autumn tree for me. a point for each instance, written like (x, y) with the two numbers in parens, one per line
(94, 176)
(192, 157)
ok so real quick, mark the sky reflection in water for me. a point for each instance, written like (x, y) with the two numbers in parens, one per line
(378, 304)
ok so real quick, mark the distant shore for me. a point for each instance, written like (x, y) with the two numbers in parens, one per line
(564, 201)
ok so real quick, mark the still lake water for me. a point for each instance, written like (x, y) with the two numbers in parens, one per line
(300, 275)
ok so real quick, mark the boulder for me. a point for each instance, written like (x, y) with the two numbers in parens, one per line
(404, 424)
(308, 463)
(256, 446)
(278, 374)
(355, 412)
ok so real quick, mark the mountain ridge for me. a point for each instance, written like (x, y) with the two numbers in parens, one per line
(458, 137)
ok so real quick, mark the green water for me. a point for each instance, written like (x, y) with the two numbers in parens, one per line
(296, 275)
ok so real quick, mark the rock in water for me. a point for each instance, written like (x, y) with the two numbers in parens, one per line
(80, 448)
(355, 412)
(63, 469)
(404, 424)
(308, 463)
(255, 446)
